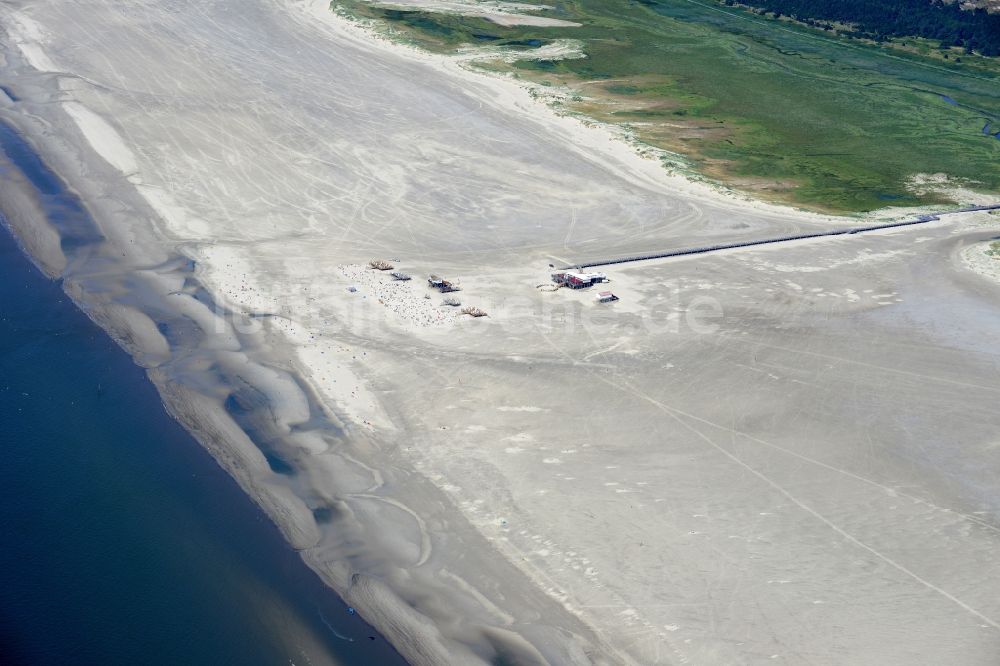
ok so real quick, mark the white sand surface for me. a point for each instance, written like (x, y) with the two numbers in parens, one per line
(783, 455)
(102, 138)
(982, 258)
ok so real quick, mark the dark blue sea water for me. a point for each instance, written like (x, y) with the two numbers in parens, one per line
(121, 540)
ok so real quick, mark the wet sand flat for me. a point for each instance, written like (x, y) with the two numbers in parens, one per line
(783, 454)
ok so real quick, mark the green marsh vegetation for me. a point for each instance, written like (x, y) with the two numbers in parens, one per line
(951, 23)
(783, 111)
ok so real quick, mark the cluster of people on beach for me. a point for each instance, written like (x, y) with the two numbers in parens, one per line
(402, 298)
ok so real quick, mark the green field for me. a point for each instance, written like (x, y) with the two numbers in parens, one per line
(780, 110)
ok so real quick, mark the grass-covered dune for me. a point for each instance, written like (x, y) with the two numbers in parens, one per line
(780, 110)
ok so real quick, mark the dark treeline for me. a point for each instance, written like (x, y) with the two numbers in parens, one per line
(974, 30)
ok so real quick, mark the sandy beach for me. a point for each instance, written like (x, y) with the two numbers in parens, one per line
(781, 455)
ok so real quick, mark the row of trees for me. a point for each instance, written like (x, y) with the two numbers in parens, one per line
(975, 30)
